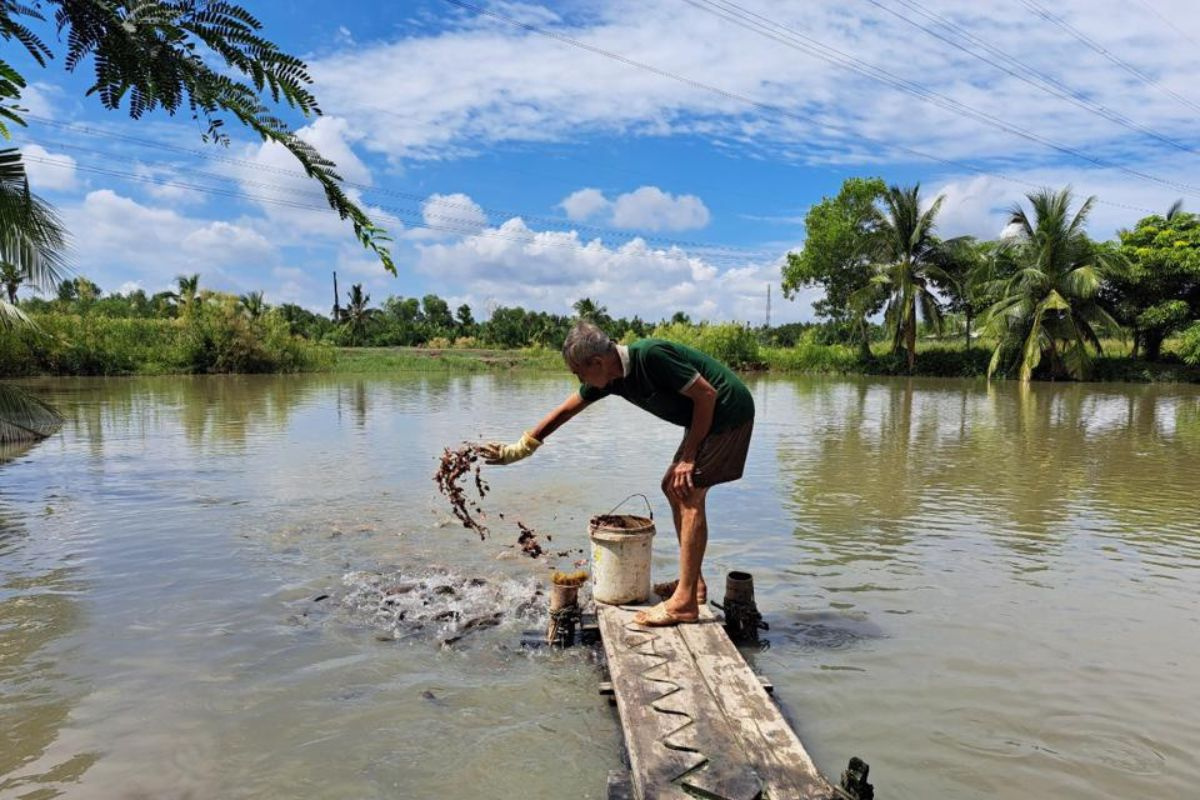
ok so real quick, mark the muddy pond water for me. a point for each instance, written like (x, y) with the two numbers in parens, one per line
(241, 587)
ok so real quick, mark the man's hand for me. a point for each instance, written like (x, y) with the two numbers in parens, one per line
(500, 453)
(679, 483)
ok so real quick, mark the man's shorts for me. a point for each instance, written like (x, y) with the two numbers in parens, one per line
(722, 456)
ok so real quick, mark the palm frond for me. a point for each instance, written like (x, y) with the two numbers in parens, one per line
(11, 316)
(1083, 282)
(1080, 219)
(931, 311)
(32, 236)
(23, 417)
(1031, 352)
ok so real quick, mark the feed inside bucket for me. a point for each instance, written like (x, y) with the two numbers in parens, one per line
(621, 550)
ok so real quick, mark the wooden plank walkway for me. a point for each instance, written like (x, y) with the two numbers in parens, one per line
(698, 722)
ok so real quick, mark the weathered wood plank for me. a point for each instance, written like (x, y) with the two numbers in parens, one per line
(654, 767)
(656, 670)
(771, 746)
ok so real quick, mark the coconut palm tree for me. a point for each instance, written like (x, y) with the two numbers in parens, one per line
(1048, 308)
(590, 311)
(357, 315)
(188, 291)
(906, 265)
(253, 304)
(33, 244)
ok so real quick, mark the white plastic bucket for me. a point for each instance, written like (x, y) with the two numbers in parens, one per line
(621, 549)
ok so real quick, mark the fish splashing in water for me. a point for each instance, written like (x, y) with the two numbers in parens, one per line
(439, 604)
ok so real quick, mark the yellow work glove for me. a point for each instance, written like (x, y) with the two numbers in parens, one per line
(498, 453)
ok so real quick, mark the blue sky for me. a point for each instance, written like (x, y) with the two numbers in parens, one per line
(516, 168)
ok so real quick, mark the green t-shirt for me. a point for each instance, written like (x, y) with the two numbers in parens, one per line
(660, 370)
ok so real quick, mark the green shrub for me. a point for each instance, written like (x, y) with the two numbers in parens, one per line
(728, 342)
(809, 357)
(1189, 345)
(215, 337)
(940, 361)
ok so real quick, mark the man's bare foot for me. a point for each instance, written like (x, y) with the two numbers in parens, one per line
(662, 616)
(667, 589)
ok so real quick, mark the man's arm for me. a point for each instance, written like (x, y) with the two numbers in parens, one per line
(559, 416)
(499, 453)
(704, 402)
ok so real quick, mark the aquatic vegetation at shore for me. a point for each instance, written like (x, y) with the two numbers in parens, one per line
(577, 578)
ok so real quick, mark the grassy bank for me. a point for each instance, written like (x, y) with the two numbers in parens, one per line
(935, 359)
(426, 359)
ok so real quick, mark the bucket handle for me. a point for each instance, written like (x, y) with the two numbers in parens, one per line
(627, 499)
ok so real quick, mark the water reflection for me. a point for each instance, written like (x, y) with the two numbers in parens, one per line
(38, 610)
(10, 451)
(1027, 465)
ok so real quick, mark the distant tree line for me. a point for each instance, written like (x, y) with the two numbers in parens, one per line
(356, 322)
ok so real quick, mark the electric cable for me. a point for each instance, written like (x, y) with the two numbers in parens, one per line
(797, 41)
(756, 103)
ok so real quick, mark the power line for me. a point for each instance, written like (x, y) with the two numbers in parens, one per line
(1167, 21)
(798, 41)
(751, 101)
(1021, 70)
(1104, 51)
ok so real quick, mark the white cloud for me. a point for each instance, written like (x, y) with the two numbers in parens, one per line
(39, 98)
(46, 170)
(647, 208)
(223, 243)
(584, 204)
(422, 97)
(515, 265)
(118, 240)
(650, 208)
(448, 215)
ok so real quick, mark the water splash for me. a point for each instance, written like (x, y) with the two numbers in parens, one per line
(440, 604)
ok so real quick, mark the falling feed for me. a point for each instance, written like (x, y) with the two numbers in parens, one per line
(529, 541)
(454, 467)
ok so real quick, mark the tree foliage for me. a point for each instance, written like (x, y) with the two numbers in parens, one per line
(1159, 294)
(1049, 310)
(840, 237)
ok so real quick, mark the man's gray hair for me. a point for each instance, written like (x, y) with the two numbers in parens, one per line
(583, 342)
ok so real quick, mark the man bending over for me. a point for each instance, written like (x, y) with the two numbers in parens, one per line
(683, 386)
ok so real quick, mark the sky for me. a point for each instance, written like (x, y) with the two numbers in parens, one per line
(655, 157)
